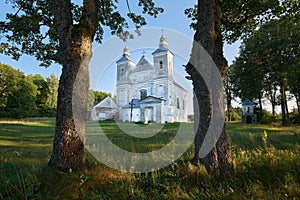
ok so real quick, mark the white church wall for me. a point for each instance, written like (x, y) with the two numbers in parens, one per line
(157, 80)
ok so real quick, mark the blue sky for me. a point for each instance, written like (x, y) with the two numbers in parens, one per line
(172, 20)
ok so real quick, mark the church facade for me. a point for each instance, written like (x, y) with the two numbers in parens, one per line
(147, 92)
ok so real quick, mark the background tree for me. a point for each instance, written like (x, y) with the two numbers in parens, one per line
(228, 94)
(63, 32)
(216, 21)
(42, 89)
(271, 55)
(294, 83)
(52, 82)
(25, 96)
(9, 80)
(21, 102)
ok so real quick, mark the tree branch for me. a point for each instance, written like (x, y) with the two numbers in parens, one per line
(232, 25)
(128, 6)
(89, 18)
(63, 19)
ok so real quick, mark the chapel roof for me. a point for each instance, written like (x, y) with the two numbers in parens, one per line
(107, 102)
(247, 102)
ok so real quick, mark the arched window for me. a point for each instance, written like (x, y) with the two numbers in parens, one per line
(143, 94)
(178, 104)
(160, 64)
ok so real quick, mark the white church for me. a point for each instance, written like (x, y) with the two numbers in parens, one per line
(146, 92)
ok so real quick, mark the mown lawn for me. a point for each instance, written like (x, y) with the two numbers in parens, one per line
(264, 167)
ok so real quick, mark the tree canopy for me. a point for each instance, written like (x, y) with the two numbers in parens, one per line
(269, 61)
(239, 19)
(26, 96)
(33, 28)
(216, 21)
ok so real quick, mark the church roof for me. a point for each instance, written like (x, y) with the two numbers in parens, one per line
(143, 65)
(247, 102)
(123, 58)
(151, 99)
(162, 49)
(136, 104)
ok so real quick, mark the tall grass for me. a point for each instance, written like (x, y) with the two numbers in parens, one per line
(266, 166)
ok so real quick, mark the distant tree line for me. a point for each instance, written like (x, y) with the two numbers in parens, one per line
(32, 96)
(26, 96)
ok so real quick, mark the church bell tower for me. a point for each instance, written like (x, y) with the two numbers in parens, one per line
(163, 59)
(124, 66)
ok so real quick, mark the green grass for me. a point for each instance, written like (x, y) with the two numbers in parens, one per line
(262, 170)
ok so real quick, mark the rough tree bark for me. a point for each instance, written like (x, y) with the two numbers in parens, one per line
(218, 162)
(75, 51)
(229, 106)
(298, 103)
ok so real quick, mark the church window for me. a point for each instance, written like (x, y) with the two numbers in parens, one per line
(178, 106)
(160, 65)
(143, 94)
(183, 104)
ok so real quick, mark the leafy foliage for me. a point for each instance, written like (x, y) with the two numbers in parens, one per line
(22, 100)
(269, 60)
(9, 78)
(26, 96)
(31, 29)
(241, 18)
(52, 82)
(42, 89)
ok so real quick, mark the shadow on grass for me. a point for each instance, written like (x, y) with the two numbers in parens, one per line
(260, 172)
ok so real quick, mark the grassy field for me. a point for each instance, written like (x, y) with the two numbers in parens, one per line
(266, 166)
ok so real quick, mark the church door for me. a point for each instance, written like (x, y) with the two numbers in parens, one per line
(150, 114)
(249, 119)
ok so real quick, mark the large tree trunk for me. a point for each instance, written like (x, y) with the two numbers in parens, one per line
(218, 161)
(75, 51)
(298, 103)
(68, 147)
(228, 101)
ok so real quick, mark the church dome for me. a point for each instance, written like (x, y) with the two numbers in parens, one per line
(163, 43)
(126, 55)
